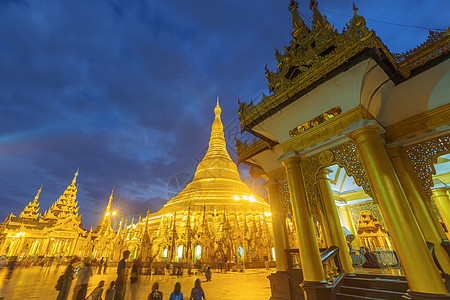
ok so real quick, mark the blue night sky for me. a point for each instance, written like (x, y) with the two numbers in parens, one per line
(125, 89)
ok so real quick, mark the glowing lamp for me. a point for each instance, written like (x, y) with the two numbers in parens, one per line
(245, 197)
(252, 198)
(107, 214)
(114, 213)
(267, 214)
(236, 198)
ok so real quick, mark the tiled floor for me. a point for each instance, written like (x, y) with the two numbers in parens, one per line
(39, 283)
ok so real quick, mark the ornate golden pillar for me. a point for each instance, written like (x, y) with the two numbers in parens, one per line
(309, 250)
(280, 234)
(333, 220)
(429, 230)
(347, 216)
(442, 201)
(419, 268)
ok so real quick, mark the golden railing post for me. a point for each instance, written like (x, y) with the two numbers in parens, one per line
(309, 250)
(417, 202)
(442, 201)
(347, 216)
(333, 220)
(418, 265)
(280, 234)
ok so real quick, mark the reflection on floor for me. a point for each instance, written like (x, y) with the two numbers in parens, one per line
(386, 271)
(39, 283)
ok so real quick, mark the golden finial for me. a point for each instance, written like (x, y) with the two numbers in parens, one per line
(217, 110)
(110, 199)
(37, 195)
(75, 177)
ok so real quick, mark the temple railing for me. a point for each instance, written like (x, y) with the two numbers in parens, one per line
(445, 276)
(331, 263)
(386, 257)
(332, 266)
(293, 259)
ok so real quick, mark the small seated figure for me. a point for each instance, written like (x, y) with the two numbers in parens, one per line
(208, 274)
(371, 259)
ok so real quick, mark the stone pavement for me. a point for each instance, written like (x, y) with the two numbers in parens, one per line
(39, 283)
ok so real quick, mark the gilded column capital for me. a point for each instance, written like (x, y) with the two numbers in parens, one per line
(360, 128)
(396, 150)
(271, 183)
(344, 208)
(278, 175)
(290, 159)
(323, 173)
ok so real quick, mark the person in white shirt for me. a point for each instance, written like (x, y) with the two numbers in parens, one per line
(84, 274)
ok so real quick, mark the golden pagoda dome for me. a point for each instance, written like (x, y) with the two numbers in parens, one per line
(216, 181)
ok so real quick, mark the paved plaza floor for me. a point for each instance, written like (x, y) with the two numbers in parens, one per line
(39, 283)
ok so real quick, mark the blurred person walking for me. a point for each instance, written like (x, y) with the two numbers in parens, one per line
(84, 274)
(134, 279)
(66, 280)
(121, 277)
(100, 266)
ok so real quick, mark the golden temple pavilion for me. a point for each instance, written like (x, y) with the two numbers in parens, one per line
(359, 138)
(55, 233)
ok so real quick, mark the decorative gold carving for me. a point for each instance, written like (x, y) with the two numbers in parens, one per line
(316, 121)
(420, 123)
(285, 198)
(334, 127)
(436, 44)
(246, 151)
(357, 209)
(346, 156)
(314, 52)
(423, 156)
(326, 157)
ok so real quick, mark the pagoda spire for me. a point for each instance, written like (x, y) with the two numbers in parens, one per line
(30, 212)
(75, 177)
(105, 222)
(297, 22)
(217, 162)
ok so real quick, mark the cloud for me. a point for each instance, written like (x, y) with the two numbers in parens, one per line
(125, 90)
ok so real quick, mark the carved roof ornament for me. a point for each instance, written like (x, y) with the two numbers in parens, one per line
(31, 211)
(66, 206)
(314, 52)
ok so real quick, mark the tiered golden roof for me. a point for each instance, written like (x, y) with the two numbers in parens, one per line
(66, 206)
(31, 211)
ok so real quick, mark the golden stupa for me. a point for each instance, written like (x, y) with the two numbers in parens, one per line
(215, 217)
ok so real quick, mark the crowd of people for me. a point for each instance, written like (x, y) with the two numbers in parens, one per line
(117, 288)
